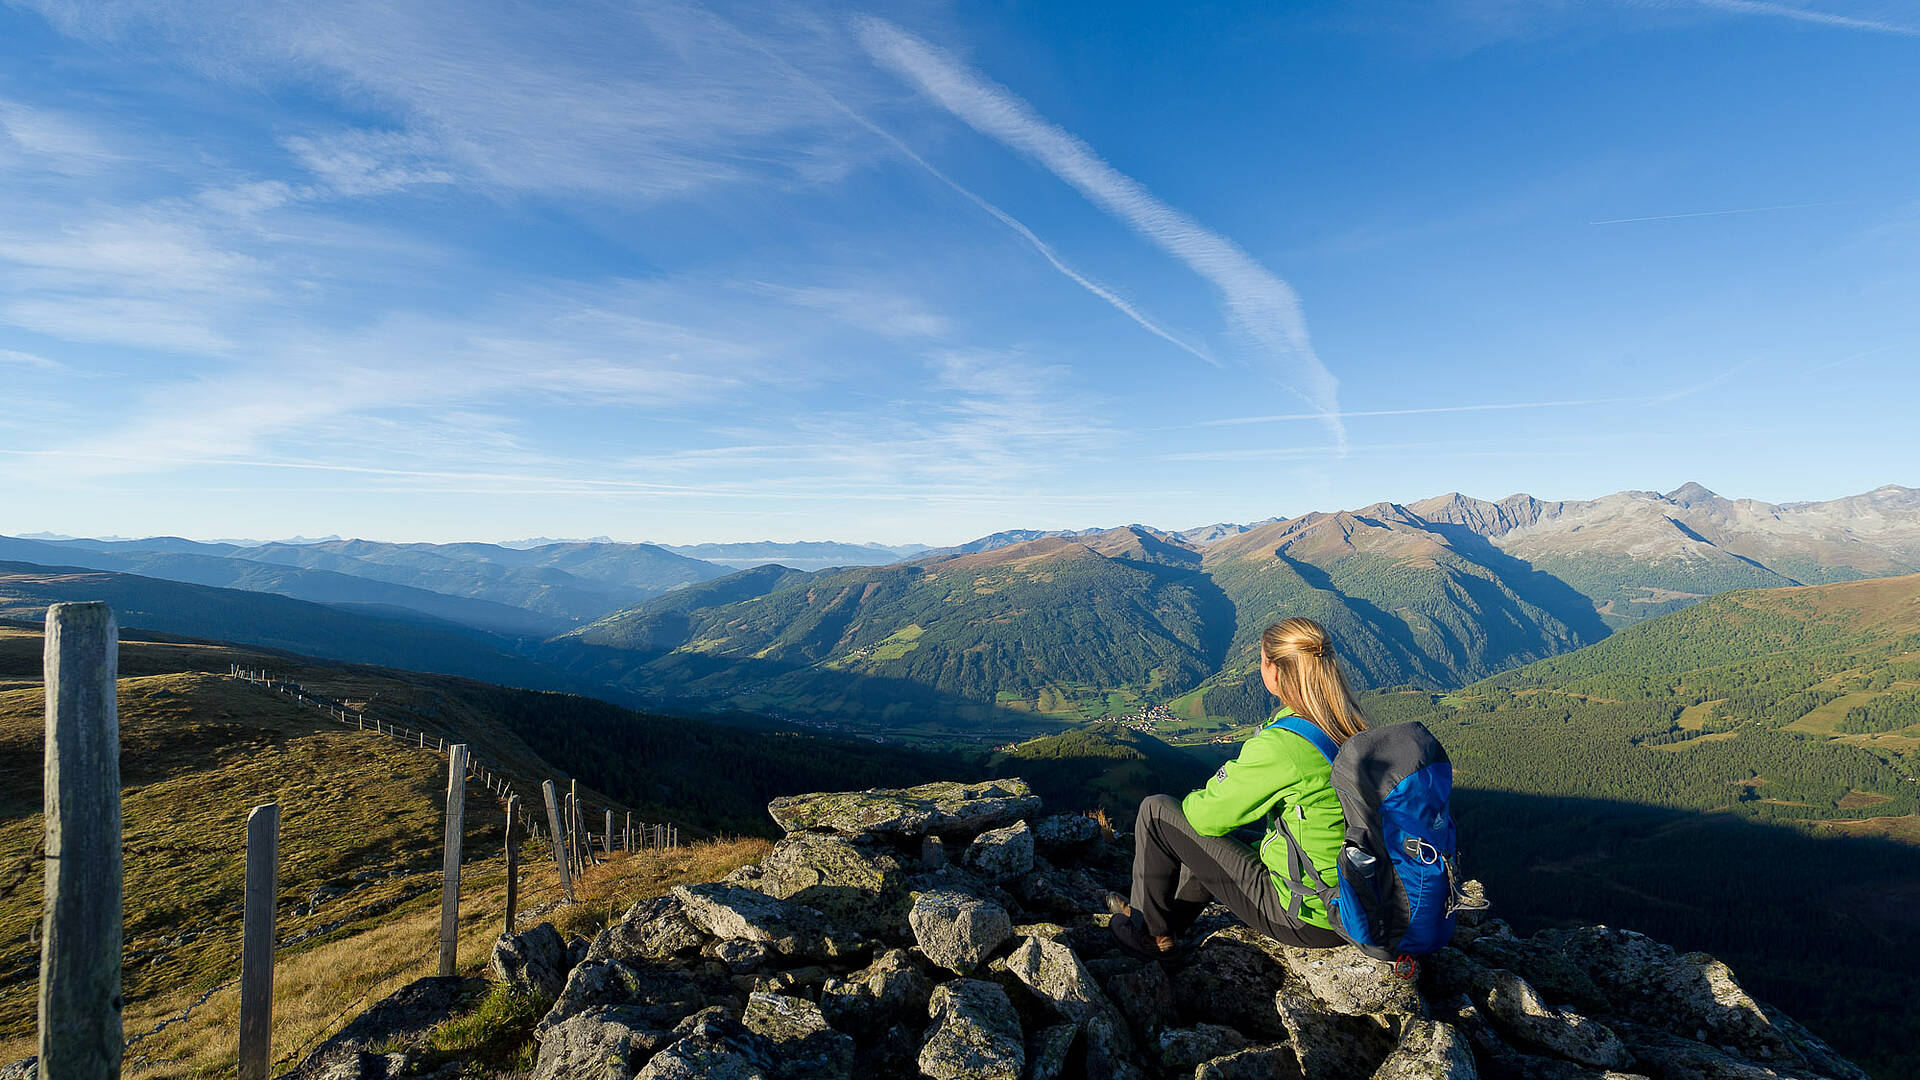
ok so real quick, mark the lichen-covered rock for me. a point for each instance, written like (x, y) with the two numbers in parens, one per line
(1110, 1051)
(1056, 976)
(1226, 982)
(654, 929)
(1000, 855)
(805, 1046)
(534, 961)
(957, 931)
(735, 911)
(974, 1034)
(930, 808)
(404, 1016)
(661, 997)
(607, 1043)
(1058, 833)
(1180, 1049)
(1047, 1051)
(740, 957)
(1691, 995)
(888, 992)
(1346, 980)
(712, 1046)
(1255, 1063)
(1144, 995)
(27, 1068)
(1429, 1050)
(1667, 1056)
(1517, 1008)
(853, 883)
(1060, 892)
(1334, 1046)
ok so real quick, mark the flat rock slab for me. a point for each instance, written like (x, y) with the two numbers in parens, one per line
(599, 1044)
(735, 911)
(945, 807)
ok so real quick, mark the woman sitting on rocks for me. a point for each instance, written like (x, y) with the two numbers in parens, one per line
(1182, 855)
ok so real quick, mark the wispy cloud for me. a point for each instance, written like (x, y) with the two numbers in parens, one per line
(52, 139)
(15, 358)
(1712, 213)
(1260, 304)
(369, 162)
(1797, 14)
(1423, 411)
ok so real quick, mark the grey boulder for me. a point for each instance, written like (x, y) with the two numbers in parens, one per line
(974, 1034)
(1000, 855)
(532, 962)
(945, 807)
(957, 931)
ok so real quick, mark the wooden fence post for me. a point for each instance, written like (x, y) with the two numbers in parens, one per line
(513, 859)
(256, 942)
(573, 823)
(626, 834)
(606, 838)
(450, 888)
(559, 853)
(80, 1031)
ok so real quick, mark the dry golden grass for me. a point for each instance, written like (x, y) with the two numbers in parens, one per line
(357, 811)
(318, 991)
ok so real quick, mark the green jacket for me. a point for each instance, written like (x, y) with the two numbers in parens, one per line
(1277, 773)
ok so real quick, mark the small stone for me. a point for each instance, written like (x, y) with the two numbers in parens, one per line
(654, 930)
(974, 1034)
(957, 931)
(1064, 832)
(532, 962)
(805, 1046)
(1000, 855)
(599, 1044)
(713, 1046)
(1180, 1049)
(887, 993)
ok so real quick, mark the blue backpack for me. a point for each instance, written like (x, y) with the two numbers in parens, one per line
(1398, 884)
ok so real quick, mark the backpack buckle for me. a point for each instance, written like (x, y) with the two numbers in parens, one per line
(1421, 851)
(1406, 966)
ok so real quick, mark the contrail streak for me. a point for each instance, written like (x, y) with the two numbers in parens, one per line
(1822, 18)
(1258, 302)
(1712, 213)
(1232, 420)
(1118, 302)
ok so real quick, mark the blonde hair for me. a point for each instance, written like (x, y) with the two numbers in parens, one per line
(1310, 680)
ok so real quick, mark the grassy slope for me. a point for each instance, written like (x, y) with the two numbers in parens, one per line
(359, 812)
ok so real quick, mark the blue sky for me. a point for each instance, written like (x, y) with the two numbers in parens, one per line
(919, 272)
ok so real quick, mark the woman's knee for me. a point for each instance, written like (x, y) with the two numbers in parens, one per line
(1155, 807)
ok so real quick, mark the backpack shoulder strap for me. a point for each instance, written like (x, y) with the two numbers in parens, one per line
(1309, 731)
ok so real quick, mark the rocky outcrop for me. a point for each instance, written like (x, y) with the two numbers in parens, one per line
(946, 931)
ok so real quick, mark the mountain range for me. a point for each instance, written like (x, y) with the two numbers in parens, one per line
(1023, 625)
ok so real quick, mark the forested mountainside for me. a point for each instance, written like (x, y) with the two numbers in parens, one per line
(1738, 777)
(1086, 626)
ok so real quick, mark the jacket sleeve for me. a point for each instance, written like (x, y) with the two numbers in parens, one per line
(1243, 791)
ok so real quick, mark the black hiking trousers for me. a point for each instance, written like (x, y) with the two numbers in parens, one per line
(1176, 871)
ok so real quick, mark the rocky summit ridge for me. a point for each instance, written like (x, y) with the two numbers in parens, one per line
(956, 932)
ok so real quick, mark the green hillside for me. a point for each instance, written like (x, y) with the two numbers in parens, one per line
(1737, 777)
(1099, 767)
(1033, 628)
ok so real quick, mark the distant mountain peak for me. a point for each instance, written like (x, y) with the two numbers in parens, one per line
(1691, 492)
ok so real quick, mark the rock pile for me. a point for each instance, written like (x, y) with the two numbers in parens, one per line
(951, 931)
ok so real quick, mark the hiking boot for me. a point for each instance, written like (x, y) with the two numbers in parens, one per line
(1131, 934)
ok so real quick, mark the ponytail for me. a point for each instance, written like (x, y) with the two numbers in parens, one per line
(1310, 681)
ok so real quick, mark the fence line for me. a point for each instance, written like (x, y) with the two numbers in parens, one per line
(81, 1033)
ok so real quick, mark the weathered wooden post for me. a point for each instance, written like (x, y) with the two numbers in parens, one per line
(626, 834)
(450, 887)
(513, 859)
(573, 823)
(256, 942)
(80, 1032)
(559, 853)
(606, 838)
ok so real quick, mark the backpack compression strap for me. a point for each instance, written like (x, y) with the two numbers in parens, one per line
(1300, 867)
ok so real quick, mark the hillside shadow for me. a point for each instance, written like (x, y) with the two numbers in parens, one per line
(1388, 627)
(1536, 587)
(1822, 926)
(1217, 612)
(840, 702)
